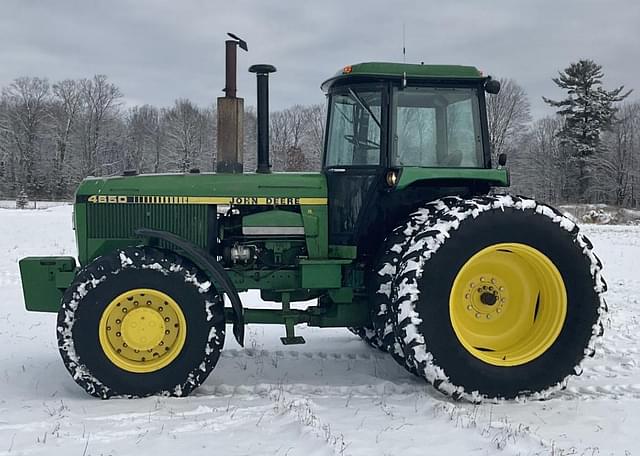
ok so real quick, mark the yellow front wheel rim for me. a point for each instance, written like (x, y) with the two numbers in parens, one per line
(142, 330)
(508, 304)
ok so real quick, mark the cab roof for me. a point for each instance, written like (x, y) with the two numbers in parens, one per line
(388, 70)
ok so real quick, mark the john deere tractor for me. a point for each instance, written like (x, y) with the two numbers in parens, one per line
(404, 236)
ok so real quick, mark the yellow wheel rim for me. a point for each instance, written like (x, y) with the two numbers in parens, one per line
(508, 304)
(142, 330)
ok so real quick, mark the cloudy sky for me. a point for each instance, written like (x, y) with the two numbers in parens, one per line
(157, 51)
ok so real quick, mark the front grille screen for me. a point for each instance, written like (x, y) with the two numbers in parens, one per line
(119, 221)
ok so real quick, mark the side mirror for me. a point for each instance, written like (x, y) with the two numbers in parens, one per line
(502, 159)
(492, 86)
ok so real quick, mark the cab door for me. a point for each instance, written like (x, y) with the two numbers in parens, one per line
(355, 161)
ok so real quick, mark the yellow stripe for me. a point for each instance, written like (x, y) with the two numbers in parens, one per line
(205, 200)
(235, 200)
(313, 201)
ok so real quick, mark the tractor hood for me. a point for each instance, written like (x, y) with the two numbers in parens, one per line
(206, 188)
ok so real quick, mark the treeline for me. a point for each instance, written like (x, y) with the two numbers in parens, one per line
(588, 152)
(54, 135)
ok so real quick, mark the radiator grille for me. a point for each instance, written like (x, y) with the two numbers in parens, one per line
(119, 221)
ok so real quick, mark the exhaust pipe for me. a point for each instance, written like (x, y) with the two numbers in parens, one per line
(262, 74)
(230, 114)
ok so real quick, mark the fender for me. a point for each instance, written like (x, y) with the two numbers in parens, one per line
(211, 267)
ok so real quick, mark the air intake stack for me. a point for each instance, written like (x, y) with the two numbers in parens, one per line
(262, 74)
(230, 113)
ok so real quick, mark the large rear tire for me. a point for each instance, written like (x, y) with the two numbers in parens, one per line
(138, 322)
(379, 284)
(498, 297)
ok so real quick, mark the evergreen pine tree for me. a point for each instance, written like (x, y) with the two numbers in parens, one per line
(587, 110)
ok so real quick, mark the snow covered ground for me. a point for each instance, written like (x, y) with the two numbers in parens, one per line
(334, 395)
(11, 204)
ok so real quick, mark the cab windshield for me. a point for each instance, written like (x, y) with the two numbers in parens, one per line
(437, 127)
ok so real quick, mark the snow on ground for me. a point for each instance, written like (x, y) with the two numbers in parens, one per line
(11, 204)
(334, 395)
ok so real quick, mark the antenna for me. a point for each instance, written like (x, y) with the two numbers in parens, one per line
(404, 49)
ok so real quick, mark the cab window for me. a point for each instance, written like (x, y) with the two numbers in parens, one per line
(354, 129)
(437, 127)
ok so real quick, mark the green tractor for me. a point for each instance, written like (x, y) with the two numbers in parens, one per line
(402, 238)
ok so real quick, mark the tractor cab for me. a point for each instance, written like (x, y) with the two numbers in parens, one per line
(387, 122)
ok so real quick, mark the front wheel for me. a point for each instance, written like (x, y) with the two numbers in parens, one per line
(140, 321)
(500, 297)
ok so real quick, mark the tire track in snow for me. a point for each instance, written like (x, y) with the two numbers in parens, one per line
(595, 392)
(306, 390)
(316, 355)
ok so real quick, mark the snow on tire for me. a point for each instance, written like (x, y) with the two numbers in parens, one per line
(497, 297)
(379, 282)
(138, 322)
(369, 335)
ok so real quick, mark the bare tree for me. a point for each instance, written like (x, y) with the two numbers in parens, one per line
(538, 164)
(185, 127)
(27, 101)
(65, 111)
(143, 153)
(297, 137)
(102, 100)
(316, 117)
(616, 173)
(508, 113)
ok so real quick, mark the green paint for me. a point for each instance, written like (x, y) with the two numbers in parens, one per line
(44, 280)
(400, 70)
(322, 273)
(304, 185)
(494, 177)
(343, 251)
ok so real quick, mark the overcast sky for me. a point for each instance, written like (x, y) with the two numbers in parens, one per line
(157, 51)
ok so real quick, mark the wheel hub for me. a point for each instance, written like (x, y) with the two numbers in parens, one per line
(508, 304)
(142, 330)
(485, 296)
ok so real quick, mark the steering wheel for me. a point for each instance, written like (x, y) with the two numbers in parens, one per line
(366, 144)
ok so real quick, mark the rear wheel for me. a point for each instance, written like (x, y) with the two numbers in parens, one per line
(369, 335)
(379, 284)
(138, 322)
(501, 300)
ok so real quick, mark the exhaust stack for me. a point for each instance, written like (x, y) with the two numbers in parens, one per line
(262, 75)
(230, 113)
